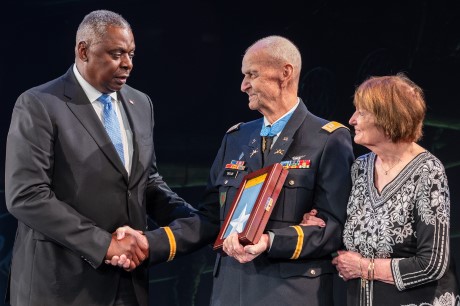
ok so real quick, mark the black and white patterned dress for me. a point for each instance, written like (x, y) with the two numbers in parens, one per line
(409, 222)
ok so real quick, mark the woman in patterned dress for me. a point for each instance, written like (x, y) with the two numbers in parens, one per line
(398, 215)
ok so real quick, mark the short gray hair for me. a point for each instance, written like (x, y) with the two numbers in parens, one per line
(94, 26)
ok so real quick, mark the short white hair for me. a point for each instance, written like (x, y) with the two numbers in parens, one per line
(282, 50)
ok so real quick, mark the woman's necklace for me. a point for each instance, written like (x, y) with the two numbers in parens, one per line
(391, 167)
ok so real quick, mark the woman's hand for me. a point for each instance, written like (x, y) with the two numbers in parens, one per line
(350, 264)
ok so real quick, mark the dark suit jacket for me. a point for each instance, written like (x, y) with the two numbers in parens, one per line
(297, 270)
(69, 191)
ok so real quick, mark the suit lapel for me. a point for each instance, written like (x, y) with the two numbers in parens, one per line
(286, 137)
(131, 112)
(81, 107)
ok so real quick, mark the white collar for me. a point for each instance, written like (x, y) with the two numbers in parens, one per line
(266, 122)
(92, 93)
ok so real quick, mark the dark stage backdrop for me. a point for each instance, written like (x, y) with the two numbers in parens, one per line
(188, 60)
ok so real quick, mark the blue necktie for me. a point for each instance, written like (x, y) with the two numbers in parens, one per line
(278, 126)
(110, 121)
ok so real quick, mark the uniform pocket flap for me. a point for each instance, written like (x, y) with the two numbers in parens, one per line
(300, 178)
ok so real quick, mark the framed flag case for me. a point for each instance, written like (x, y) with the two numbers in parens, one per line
(252, 206)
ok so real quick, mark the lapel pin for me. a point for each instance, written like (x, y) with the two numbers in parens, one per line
(285, 138)
(279, 151)
(131, 101)
(253, 152)
(253, 141)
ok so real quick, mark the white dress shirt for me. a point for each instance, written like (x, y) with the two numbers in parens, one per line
(126, 134)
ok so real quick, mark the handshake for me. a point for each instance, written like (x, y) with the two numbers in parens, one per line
(128, 248)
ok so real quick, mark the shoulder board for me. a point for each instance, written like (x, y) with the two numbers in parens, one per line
(236, 127)
(332, 126)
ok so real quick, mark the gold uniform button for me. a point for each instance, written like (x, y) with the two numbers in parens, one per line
(291, 182)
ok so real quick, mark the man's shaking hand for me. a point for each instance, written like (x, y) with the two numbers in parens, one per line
(128, 248)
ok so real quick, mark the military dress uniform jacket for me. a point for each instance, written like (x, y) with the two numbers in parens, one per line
(69, 190)
(297, 270)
